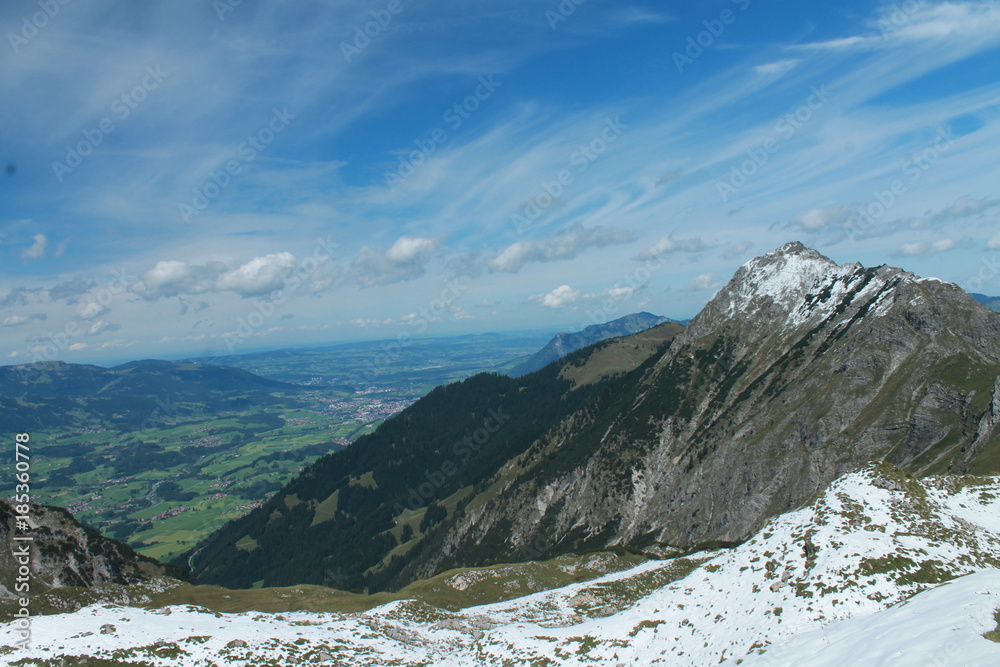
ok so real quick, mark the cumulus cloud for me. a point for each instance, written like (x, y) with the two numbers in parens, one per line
(565, 296)
(560, 297)
(172, 278)
(566, 244)
(994, 243)
(922, 248)
(37, 249)
(405, 260)
(669, 245)
(259, 276)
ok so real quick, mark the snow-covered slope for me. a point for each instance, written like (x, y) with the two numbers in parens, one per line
(815, 586)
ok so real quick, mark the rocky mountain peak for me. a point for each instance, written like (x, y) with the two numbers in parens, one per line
(790, 286)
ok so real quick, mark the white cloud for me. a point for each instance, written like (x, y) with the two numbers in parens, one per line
(76, 347)
(15, 321)
(922, 248)
(565, 244)
(259, 276)
(405, 260)
(37, 249)
(565, 296)
(560, 297)
(994, 243)
(172, 278)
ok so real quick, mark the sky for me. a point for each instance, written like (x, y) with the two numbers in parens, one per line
(206, 178)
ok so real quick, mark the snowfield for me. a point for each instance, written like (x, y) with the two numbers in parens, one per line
(856, 578)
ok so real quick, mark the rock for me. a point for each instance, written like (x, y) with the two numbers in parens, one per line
(237, 643)
(108, 629)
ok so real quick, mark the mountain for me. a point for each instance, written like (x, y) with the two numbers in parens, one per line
(63, 553)
(351, 518)
(564, 343)
(991, 302)
(882, 565)
(798, 371)
(147, 377)
(55, 394)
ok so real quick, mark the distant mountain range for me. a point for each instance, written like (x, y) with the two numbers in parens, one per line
(564, 343)
(54, 394)
(797, 372)
(138, 378)
(991, 302)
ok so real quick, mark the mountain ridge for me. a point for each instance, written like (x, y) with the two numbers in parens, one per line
(719, 430)
(565, 343)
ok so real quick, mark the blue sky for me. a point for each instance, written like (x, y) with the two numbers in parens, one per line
(211, 177)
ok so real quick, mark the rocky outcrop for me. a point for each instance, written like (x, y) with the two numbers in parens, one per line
(65, 553)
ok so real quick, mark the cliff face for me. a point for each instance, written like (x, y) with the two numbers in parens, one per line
(798, 371)
(65, 553)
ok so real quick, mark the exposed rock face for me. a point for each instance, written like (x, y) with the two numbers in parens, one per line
(798, 371)
(65, 553)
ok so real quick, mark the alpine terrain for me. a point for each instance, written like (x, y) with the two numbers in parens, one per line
(797, 372)
(880, 568)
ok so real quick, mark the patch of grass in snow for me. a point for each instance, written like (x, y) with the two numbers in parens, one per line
(994, 635)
